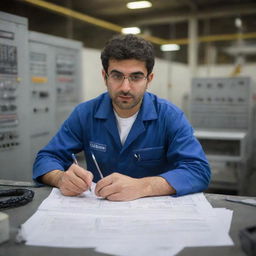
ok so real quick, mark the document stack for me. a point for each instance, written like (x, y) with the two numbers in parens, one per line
(147, 226)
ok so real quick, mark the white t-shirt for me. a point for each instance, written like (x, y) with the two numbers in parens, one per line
(124, 126)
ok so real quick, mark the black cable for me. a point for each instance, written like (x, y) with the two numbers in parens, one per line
(18, 197)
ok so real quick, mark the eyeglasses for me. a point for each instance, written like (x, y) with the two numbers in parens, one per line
(118, 78)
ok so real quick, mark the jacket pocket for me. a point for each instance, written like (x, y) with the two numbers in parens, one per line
(149, 156)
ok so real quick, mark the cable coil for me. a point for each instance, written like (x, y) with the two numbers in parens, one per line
(19, 197)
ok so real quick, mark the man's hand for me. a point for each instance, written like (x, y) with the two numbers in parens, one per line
(118, 187)
(72, 182)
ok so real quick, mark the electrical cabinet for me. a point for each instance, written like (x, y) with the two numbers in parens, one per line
(42, 93)
(14, 99)
(55, 84)
(66, 56)
(40, 84)
(221, 103)
(68, 78)
(221, 113)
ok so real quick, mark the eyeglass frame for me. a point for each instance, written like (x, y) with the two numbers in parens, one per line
(127, 77)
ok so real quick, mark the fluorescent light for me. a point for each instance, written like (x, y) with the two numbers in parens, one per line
(131, 30)
(139, 5)
(169, 47)
(238, 23)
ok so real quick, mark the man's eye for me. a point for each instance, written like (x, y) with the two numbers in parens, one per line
(136, 77)
(117, 76)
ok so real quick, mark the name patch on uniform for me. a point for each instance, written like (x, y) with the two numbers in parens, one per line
(98, 146)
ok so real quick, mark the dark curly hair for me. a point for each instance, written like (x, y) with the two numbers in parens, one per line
(123, 47)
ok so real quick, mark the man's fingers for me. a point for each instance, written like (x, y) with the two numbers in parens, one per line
(83, 174)
(75, 180)
(116, 197)
(119, 187)
(103, 183)
(107, 191)
(69, 189)
(72, 179)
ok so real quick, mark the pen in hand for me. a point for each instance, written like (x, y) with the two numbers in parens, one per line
(75, 162)
(97, 166)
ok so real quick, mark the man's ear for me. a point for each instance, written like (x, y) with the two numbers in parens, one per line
(150, 78)
(104, 75)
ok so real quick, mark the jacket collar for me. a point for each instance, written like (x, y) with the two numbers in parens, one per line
(105, 108)
(147, 110)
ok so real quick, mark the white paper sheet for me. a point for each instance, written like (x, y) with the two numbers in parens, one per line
(159, 225)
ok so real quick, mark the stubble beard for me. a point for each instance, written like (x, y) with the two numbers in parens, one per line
(122, 104)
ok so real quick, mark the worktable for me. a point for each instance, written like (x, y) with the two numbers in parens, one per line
(243, 216)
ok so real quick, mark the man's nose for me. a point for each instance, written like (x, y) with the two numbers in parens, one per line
(126, 86)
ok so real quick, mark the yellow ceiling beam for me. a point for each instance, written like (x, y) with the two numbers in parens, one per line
(154, 40)
(113, 27)
(214, 38)
(75, 15)
(227, 37)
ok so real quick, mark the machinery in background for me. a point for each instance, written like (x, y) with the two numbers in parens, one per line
(42, 93)
(67, 74)
(56, 84)
(40, 84)
(221, 113)
(14, 98)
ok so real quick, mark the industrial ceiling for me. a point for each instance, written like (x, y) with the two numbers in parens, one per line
(95, 21)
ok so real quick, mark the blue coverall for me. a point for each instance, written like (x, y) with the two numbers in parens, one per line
(160, 143)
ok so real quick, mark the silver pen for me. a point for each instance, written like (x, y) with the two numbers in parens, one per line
(97, 166)
(75, 162)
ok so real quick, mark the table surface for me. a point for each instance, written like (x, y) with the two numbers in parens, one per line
(243, 216)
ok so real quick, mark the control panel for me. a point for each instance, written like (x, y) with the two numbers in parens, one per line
(40, 83)
(42, 93)
(14, 99)
(8, 85)
(65, 67)
(221, 103)
(68, 79)
(65, 77)
(221, 113)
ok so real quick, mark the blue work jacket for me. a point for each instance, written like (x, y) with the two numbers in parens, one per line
(160, 143)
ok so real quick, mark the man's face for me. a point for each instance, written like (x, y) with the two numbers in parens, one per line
(126, 93)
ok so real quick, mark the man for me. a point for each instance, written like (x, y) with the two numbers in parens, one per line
(144, 145)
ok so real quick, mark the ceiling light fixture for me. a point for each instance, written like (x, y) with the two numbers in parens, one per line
(169, 47)
(131, 30)
(139, 5)
(238, 22)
